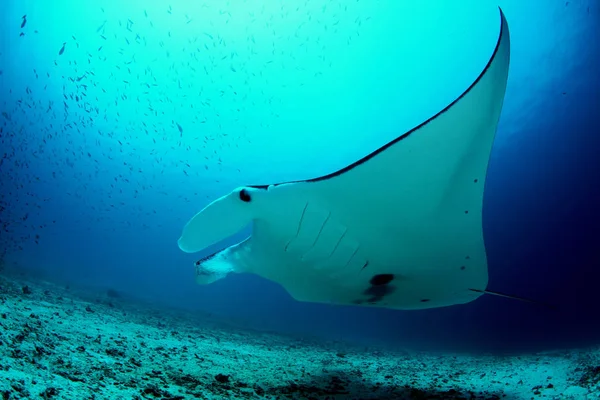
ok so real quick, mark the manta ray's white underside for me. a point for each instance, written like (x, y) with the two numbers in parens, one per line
(400, 228)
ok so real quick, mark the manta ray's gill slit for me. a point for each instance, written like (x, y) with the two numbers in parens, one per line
(299, 227)
(352, 256)
(338, 242)
(320, 231)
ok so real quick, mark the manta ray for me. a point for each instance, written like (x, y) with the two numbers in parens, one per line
(400, 228)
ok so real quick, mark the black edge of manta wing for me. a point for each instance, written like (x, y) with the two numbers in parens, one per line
(503, 32)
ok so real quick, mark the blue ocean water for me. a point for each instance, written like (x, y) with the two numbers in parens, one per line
(121, 120)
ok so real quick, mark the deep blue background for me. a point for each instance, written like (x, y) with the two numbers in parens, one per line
(111, 218)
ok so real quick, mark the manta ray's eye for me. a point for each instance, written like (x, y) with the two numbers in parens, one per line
(245, 196)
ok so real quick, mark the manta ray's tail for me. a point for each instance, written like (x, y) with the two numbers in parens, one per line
(508, 296)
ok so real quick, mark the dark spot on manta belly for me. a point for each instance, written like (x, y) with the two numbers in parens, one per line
(377, 293)
(380, 287)
(424, 300)
(381, 279)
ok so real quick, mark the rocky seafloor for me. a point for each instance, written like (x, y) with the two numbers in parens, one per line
(60, 343)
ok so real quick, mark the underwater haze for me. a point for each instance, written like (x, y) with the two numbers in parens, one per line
(122, 119)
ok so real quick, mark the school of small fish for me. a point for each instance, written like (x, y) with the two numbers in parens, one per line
(107, 122)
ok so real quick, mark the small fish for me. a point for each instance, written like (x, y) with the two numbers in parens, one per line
(180, 129)
(101, 27)
(62, 49)
(24, 21)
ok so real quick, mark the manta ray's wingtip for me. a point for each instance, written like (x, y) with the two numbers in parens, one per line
(504, 22)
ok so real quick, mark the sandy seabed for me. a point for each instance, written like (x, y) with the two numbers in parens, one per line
(60, 343)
